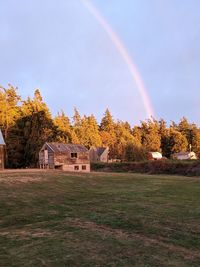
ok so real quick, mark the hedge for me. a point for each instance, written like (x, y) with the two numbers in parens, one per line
(188, 168)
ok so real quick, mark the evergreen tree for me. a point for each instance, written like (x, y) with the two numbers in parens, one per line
(123, 139)
(9, 111)
(185, 128)
(63, 127)
(76, 131)
(178, 142)
(89, 132)
(135, 153)
(165, 139)
(151, 138)
(137, 134)
(107, 123)
(196, 140)
(107, 132)
(30, 132)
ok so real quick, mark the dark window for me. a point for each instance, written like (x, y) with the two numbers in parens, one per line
(76, 168)
(83, 167)
(74, 155)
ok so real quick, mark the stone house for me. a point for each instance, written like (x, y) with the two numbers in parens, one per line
(66, 157)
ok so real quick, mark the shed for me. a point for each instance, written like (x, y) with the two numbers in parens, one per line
(154, 156)
(184, 155)
(2, 151)
(99, 154)
(67, 157)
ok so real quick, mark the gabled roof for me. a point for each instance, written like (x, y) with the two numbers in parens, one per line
(2, 142)
(100, 150)
(67, 148)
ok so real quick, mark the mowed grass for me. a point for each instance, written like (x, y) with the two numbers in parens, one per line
(98, 219)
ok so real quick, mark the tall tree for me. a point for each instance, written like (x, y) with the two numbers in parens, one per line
(89, 132)
(10, 110)
(178, 142)
(30, 132)
(107, 132)
(123, 139)
(165, 138)
(64, 128)
(137, 134)
(107, 122)
(185, 128)
(135, 151)
(196, 140)
(76, 131)
(151, 138)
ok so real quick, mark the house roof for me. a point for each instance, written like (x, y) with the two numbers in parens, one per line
(184, 153)
(67, 148)
(100, 150)
(2, 142)
(156, 154)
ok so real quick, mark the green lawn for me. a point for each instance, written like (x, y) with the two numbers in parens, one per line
(98, 219)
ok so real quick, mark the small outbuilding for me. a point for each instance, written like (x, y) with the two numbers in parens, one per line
(184, 155)
(2, 151)
(99, 154)
(66, 157)
(154, 156)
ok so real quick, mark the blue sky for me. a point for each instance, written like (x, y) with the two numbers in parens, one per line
(58, 47)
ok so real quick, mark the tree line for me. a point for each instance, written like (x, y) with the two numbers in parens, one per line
(28, 124)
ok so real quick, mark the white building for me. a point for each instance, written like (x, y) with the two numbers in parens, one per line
(184, 155)
(154, 156)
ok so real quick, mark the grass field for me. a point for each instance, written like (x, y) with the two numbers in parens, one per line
(98, 219)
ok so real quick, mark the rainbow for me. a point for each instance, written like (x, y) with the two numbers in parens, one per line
(125, 56)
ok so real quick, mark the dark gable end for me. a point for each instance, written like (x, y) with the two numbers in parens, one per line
(100, 150)
(99, 154)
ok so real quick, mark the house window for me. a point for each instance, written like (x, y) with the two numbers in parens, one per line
(76, 168)
(74, 155)
(83, 167)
